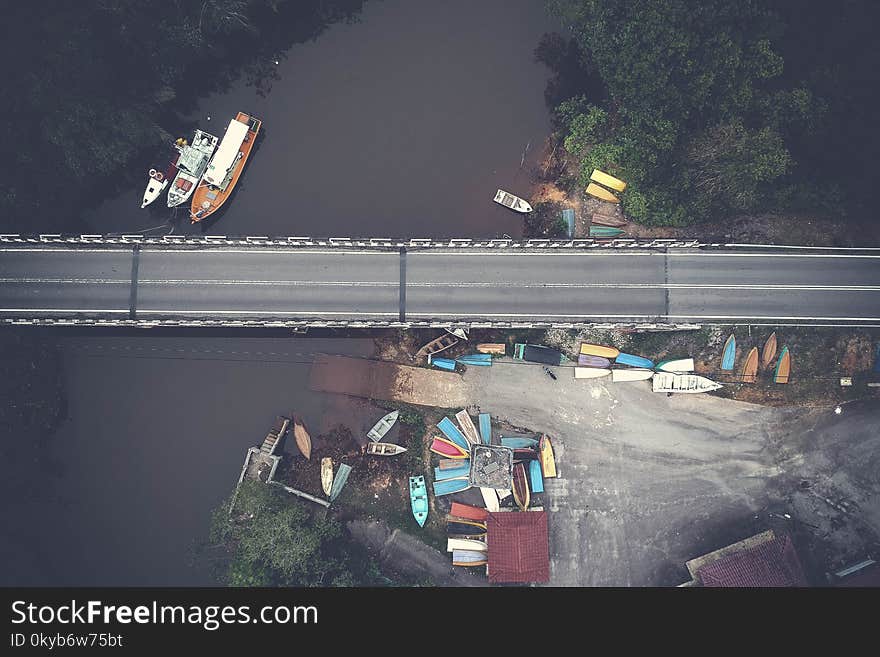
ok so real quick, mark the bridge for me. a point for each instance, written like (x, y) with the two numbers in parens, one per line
(132, 280)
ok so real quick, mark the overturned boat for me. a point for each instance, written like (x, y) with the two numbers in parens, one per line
(690, 383)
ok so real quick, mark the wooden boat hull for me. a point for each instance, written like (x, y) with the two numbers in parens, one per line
(633, 361)
(599, 350)
(496, 348)
(728, 356)
(590, 372)
(548, 458)
(607, 180)
(418, 499)
(684, 383)
(607, 220)
(383, 426)
(585, 360)
(783, 367)
(452, 433)
(302, 437)
(452, 464)
(467, 427)
(384, 449)
(207, 199)
(521, 493)
(769, 351)
(448, 449)
(437, 345)
(601, 193)
(326, 474)
(620, 376)
(339, 480)
(750, 368)
(536, 479)
(470, 512)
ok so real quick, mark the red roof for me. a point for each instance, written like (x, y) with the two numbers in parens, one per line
(770, 564)
(519, 549)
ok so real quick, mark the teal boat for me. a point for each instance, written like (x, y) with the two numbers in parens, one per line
(449, 486)
(517, 442)
(483, 360)
(634, 361)
(729, 355)
(339, 480)
(452, 433)
(604, 231)
(418, 497)
(536, 477)
(443, 364)
(453, 473)
(486, 428)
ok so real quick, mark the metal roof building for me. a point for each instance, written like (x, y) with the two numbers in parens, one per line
(519, 547)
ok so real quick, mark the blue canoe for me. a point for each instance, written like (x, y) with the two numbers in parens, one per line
(452, 473)
(486, 428)
(634, 361)
(535, 476)
(418, 499)
(443, 364)
(729, 355)
(516, 442)
(339, 480)
(449, 486)
(483, 360)
(452, 433)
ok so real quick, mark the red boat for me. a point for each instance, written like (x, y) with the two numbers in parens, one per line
(467, 511)
(448, 449)
(521, 486)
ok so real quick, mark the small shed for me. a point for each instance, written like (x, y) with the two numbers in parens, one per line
(518, 546)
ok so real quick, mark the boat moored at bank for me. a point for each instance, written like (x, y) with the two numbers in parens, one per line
(191, 167)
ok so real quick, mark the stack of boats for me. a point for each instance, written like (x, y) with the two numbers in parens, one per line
(605, 224)
(466, 535)
(754, 360)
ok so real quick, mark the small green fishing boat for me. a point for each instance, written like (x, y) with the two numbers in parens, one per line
(418, 497)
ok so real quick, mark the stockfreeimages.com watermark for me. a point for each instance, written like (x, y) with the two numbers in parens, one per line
(210, 617)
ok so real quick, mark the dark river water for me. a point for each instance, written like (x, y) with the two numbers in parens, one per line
(402, 124)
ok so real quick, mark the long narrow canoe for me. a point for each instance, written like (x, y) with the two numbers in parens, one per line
(464, 527)
(690, 383)
(585, 360)
(634, 361)
(449, 486)
(783, 367)
(469, 558)
(467, 427)
(605, 231)
(590, 372)
(497, 348)
(465, 544)
(442, 363)
(383, 426)
(448, 449)
(303, 439)
(451, 464)
(769, 352)
(608, 180)
(728, 356)
(599, 350)
(418, 498)
(467, 511)
(477, 360)
(599, 219)
(521, 493)
(486, 428)
(750, 367)
(339, 480)
(490, 498)
(601, 193)
(515, 441)
(385, 449)
(462, 471)
(436, 345)
(548, 460)
(634, 374)
(326, 474)
(453, 434)
(535, 477)
(676, 366)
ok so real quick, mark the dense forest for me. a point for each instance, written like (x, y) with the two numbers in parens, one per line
(90, 85)
(714, 108)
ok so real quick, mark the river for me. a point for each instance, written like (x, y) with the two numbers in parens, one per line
(402, 124)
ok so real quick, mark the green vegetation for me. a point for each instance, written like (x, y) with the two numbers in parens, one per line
(713, 109)
(97, 83)
(272, 539)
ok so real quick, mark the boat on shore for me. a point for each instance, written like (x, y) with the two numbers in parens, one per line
(512, 202)
(465, 527)
(750, 368)
(225, 168)
(496, 348)
(460, 510)
(548, 459)
(605, 231)
(607, 180)
(607, 220)
(599, 350)
(783, 367)
(490, 498)
(469, 558)
(436, 345)
(452, 464)
(485, 428)
(601, 193)
(453, 434)
(676, 366)
(634, 361)
(339, 480)
(591, 372)
(467, 427)
(383, 426)
(688, 383)
(586, 360)
(449, 486)
(465, 544)
(191, 167)
(728, 356)
(634, 374)
(769, 352)
(418, 499)
(448, 449)
(518, 442)
(536, 479)
(326, 474)
(302, 437)
(521, 493)
(385, 449)
(463, 470)
(443, 363)
(480, 360)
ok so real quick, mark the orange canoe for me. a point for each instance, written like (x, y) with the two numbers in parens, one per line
(783, 367)
(769, 352)
(599, 350)
(498, 348)
(750, 367)
(303, 439)
(225, 167)
(460, 510)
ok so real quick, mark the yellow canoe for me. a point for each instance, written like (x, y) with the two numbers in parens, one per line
(601, 193)
(548, 461)
(599, 350)
(609, 181)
